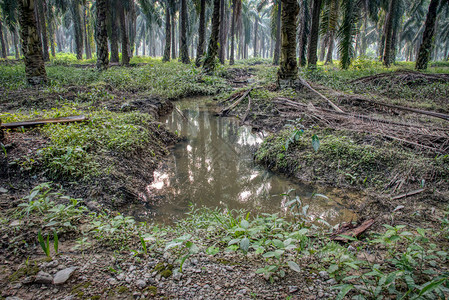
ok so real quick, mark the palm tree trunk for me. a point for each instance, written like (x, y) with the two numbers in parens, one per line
(387, 54)
(330, 50)
(86, 35)
(124, 35)
(256, 27)
(167, 35)
(288, 69)
(428, 35)
(173, 39)
(209, 62)
(3, 44)
(183, 49)
(303, 33)
(75, 8)
(314, 34)
(234, 11)
(101, 36)
(41, 11)
(51, 31)
(16, 44)
(277, 46)
(324, 43)
(222, 46)
(31, 44)
(201, 34)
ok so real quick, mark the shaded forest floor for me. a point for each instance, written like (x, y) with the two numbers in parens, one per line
(100, 165)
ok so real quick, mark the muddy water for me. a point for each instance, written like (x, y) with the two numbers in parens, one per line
(214, 167)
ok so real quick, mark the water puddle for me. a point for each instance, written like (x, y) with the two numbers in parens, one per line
(214, 167)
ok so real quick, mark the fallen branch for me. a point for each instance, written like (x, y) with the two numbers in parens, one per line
(247, 111)
(354, 232)
(334, 106)
(403, 108)
(408, 194)
(34, 123)
(226, 110)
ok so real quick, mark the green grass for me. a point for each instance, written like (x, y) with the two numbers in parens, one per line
(169, 80)
(344, 156)
(76, 150)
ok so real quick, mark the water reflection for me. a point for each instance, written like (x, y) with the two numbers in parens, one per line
(214, 167)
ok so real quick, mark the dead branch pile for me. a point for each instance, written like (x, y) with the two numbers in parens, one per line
(411, 134)
(402, 77)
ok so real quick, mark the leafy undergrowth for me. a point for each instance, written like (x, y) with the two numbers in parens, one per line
(348, 159)
(77, 150)
(171, 80)
(398, 261)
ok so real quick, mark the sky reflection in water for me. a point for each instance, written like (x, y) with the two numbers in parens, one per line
(214, 167)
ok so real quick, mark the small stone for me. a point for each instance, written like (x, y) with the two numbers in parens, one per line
(351, 248)
(217, 287)
(63, 275)
(52, 264)
(292, 289)
(324, 274)
(13, 298)
(320, 294)
(331, 281)
(242, 291)
(141, 284)
(177, 276)
(112, 281)
(120, 276)
(43, 278)
(15, 223)
(3, 190)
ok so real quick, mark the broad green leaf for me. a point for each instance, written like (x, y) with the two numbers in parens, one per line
(244, 244)
(294, 266)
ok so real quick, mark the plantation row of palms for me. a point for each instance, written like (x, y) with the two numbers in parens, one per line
(286, 30)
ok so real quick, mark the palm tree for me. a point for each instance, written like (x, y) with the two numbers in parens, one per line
(390, 31)
(303, 32)
(209, 62)
(236, 10)
(101, 36)
(76, 17)
(3, 45)
(31, 44)
(201, 33)
(314, 32)
(167, 34)
(277, 47)
(123, 31)
(329, 28)
(347, 32)
(288, 69)
(428, 36)
(183, 50)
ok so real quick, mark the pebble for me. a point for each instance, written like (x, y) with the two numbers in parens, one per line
(141, 284)
(292, 289)
(331, 281)
(13, 298)
(112, 281)
(120, 276)
(63, 275)
(43, 278)
(324, 274)
(3, 190)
